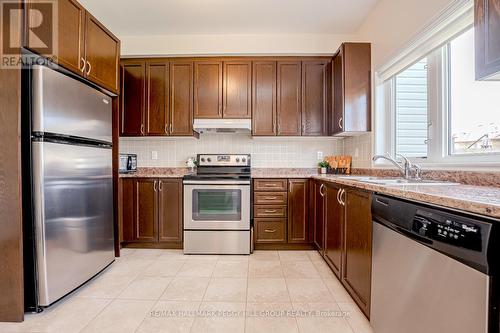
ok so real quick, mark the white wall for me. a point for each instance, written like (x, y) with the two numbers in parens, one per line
(160, 45)
(266, 152)
(389, 27)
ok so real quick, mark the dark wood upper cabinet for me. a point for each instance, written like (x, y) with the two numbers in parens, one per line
(289, 105)
(237, 99)
(334, 222)
(352, 89)
(487, 39)
(315, 98)
(318, 193)
(264, 98)
(208, 89)
(132, 101)
(102, 53)
(145, 210)
(170, 210)
(157, 98)
(298, 214)
(181, 98)
(71, 23)
(357, 247)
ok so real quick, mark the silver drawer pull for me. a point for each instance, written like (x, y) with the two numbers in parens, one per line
(271, 185)
(270, 231)
(270, 210)
(270, 198)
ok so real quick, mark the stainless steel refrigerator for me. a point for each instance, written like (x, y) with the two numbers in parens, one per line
(68, 160)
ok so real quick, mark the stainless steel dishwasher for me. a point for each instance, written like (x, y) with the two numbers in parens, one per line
(433, 270)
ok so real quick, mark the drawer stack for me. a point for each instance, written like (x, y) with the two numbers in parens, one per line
(270, 210)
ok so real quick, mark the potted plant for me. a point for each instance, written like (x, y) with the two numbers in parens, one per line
(323, 165)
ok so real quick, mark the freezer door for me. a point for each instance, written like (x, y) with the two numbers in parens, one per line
(63, 105)
(73, 216)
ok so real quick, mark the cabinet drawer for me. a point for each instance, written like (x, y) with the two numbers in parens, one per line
(270, 198)
(270, 230)
(270, 185)
(269, 211)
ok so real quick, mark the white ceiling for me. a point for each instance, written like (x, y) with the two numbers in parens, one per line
(164, 17)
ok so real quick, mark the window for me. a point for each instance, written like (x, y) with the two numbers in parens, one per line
(438, 112)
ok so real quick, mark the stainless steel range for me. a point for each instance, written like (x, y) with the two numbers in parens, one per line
(217, 205)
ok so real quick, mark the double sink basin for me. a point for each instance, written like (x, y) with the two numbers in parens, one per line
(395, 181)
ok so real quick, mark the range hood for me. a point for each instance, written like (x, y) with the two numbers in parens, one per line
(222, 126)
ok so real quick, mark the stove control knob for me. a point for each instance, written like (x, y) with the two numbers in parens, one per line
(209, 159)
(203, 159)
(244, 160)
(237, 160)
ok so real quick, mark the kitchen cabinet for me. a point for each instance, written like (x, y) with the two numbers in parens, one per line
(237, 83)
(487, 39)
(357, 247)
(298, 215)
(352, 89)
(208, 89)
(264, 98)
(315, 98)
(85, 46)
(333, 222)
(317, 214)
(156, 98)
(289, 98)
(151, 212)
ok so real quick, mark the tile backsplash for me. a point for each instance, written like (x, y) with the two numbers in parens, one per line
(266, 152)
(360, 148)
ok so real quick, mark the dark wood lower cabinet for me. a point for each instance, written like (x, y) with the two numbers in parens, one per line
(333, 220)
(151, 212)
(298, 216)
(317, 215)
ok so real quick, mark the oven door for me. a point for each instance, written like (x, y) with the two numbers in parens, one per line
(216, 207)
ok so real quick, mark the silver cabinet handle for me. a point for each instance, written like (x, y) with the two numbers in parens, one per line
(338, 196)
(160, 186)
(142, 129)
(171, 128)
(166, 128)
(279, 128)
(321, 190)
(82, 61)
(270, 211)
(340, 123)
(270, 231)
(342, 202)
(90, 68)
(154, 186)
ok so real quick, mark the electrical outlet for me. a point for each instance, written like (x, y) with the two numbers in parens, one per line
(154, 155)
(320, 155)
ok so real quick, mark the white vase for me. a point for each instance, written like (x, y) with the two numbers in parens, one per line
(323, 171)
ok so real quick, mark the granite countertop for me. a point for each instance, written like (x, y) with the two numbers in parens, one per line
(483, 200)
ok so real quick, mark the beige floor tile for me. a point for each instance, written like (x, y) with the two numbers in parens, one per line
(172, 255)
(126, 251)
(267, 290)
(321, 317)
(148, 253)
(163, 267)
(226, 290)
(186, 289)
(197, 268)
(265, 269)
(264, 255)
(338, 291)
(120, 316)
(356, 319)
(170, 317)
(323, 269)
(270, 317)
(315, 256)
(308, 291)
(293, 256)
(234, 269)
(128, 266)
(202, 257)
(220, 317)
(234, 257)
(107, 286)
(68, 315)
(299, 270)
(146, 288)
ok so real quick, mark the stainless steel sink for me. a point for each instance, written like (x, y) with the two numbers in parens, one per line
(396, 181)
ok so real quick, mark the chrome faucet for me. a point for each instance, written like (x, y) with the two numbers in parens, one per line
(406, 167)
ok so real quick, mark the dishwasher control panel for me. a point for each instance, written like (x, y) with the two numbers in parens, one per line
(447, 230)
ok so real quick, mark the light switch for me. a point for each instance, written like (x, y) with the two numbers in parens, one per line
(154, 155)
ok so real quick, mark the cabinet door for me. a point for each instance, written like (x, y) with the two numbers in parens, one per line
(208, 89)
(318, 207)
(170, 210)
(334, 221)
(357, 263)
(314, 98)
(157, 98)
(145, 210)
(487, 39)
(102, 52)
(132, 98)
(71, 22)
(298, 215)
(237, 89)
(338, 93)
(126, 218)
(264, 98)
(289, 114)
(181, 98)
